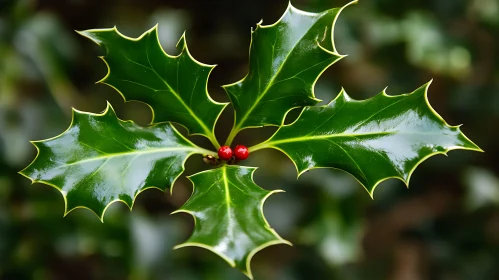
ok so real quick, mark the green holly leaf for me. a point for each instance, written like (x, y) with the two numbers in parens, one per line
(227, 207)
(101, 159)
(174, 87)
(286, 59)
(375, 139)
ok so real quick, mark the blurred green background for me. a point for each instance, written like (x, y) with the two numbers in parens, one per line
(446, 226)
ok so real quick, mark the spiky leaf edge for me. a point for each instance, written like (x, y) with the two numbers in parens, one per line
(101, 217)
(248, 272)
(183, 40)
(234, 131)
(263, 145)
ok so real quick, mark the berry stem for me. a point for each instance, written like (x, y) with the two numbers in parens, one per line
(231, 137)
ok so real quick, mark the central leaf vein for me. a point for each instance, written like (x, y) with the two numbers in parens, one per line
(124, 154)
(271, 82)
(170, 89)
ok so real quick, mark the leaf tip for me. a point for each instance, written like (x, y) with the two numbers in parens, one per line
(384, 91)
(342, 97)
(108, 104)
(89, 34)
(22, 173)
(259, 24)
(182, 42)
(470, 144)
(477, 148)
(80, 32)
(109, 109)
(182, 46)
(426, 87)
(152, 30)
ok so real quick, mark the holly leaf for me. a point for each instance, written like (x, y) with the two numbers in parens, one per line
(286, 59)
(375, 139)
(227, 207)
(101, 159)
(174, 87)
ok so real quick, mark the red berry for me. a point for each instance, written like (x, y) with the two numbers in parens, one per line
(225, 153)
(241, 152)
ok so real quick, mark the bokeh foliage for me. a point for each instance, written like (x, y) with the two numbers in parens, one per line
(445, 227)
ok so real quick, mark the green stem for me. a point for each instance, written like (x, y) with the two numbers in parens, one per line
(205, 152)
(231, 137)
(214, 141)
(261, 146)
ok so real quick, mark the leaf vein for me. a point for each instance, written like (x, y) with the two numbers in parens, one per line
(353, 160)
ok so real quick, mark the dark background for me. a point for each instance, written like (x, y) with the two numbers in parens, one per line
(446, 226)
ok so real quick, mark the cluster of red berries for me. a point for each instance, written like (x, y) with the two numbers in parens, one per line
(240, 152)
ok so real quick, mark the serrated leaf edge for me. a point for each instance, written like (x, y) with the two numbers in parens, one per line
(234, 130)
(64, 195)
(279, 240)
(426, 86)
(211, 136)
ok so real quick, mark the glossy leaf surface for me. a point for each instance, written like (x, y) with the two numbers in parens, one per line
(374, 139)
(286, 59)
(227, 207)
(173, 86)
(101, 159)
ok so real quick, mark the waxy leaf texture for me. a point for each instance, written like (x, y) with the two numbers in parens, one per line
(173, 86)
(375, 139)
(286, 59)
(227, 207)
(101, 159)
